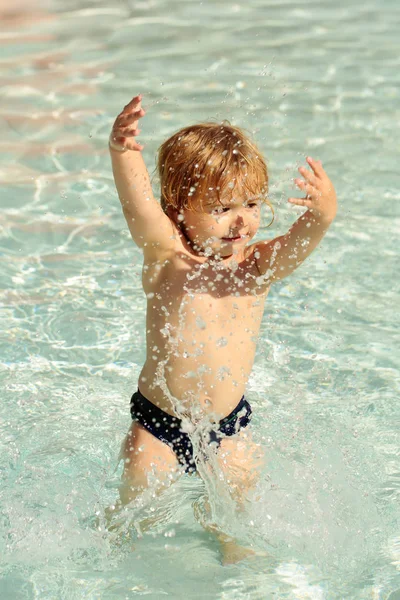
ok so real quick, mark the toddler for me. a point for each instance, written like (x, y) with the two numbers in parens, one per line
(206, 284)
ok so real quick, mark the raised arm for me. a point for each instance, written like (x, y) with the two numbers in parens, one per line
(150, 227)
(278, 258)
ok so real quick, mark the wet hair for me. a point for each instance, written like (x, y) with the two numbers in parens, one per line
(210, 162)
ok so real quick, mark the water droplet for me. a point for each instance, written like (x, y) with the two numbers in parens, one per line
(170, 533)
(201, 324)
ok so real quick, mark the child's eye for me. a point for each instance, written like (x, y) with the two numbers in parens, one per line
(252, 205)
(220, 210)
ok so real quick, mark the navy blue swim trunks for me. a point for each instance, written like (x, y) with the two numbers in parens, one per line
(167, 428)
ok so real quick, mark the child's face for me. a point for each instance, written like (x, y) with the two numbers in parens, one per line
(223, 229)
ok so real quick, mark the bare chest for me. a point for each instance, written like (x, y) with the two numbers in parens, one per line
(205, 300)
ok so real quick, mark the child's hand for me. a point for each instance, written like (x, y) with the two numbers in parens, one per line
(320, 194)
(125, 129)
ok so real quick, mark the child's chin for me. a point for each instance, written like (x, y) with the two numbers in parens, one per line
(232, 245)
(228, 250)
(222, 248)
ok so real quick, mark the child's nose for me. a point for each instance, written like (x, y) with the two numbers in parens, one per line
(239, 218)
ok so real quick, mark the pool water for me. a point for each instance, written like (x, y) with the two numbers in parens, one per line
(305, 78)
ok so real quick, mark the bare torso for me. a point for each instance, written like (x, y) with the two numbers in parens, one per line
(203, 319)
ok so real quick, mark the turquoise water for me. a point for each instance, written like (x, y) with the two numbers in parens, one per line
(317, 78)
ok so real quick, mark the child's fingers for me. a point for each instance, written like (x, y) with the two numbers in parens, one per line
(316, 166)
(132, 114)
(134, 102)
(309, 176)
(126, 143)
(301, 202)
(309, 189)
(125, 131)
(126, 123)
(131, 133)
(121, 139)
(125, 119)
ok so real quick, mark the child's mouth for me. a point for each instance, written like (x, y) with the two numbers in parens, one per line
(235, 238)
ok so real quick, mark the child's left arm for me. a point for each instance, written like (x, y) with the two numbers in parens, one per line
(279, 257)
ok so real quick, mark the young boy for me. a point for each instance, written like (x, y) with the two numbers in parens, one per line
(206, 285)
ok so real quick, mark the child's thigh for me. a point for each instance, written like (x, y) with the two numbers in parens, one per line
(241, 460)
(148, 462)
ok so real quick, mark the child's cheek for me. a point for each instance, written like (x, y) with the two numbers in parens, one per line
(219, 218)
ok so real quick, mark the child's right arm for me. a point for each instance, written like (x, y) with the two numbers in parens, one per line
(150, 227)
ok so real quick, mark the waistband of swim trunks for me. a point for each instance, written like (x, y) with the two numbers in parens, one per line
(242, 404)
(156, 411)
(150, 408)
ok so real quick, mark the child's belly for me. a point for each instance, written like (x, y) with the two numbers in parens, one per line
(200, 358)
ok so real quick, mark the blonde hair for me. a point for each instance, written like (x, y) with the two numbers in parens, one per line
(202, 162)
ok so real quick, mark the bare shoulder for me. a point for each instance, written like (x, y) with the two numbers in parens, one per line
(166, 243)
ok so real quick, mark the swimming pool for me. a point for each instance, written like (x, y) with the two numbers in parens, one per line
(304, 78)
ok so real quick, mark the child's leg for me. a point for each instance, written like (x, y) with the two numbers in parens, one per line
(240, 461)
(148, 462)
(149, 465)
